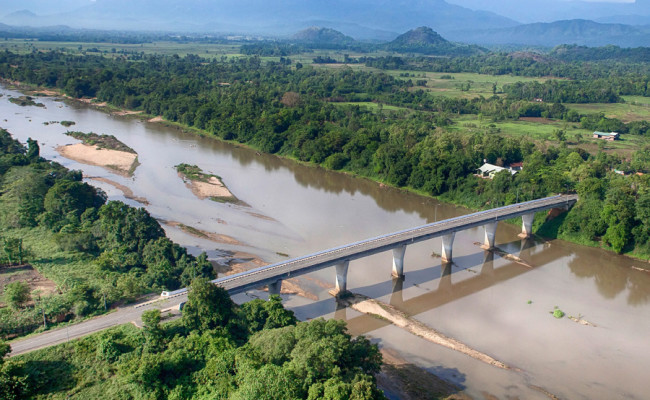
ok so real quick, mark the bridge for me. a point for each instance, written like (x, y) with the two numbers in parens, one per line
(340, 257)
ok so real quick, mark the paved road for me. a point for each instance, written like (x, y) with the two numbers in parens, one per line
(120, 316)
(244, 281)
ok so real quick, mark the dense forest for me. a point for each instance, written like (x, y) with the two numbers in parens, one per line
(217, 350)
(296, 112)
(117, 252)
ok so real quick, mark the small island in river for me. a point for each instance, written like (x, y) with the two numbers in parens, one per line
(25, 101)
(205, 185)
(101, 150)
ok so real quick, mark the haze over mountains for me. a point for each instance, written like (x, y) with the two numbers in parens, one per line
(470, 21)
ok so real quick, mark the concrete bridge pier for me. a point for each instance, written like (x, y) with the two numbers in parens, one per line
(527, 225)
(447, 246)
(490, 234)
(341, 278)
(398, 261)
(275, 287)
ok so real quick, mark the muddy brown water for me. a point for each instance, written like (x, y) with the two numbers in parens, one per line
(492, 304)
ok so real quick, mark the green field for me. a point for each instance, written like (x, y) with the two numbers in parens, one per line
(636, 108)
(462, 85)
(208, 50)
(374, 107)
(542, 130)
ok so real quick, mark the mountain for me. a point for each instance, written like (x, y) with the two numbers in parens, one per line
(279, 17)
(40, 7)
(419, 37)
(626, 19)
(530, 11)
(321, 36)
(577, 31)
(22, 17)
(425, 40)
(356, 31)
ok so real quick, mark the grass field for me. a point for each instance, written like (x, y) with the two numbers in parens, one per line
(207, 50)
(636, 108)
(462, 85)
(542, 130)
(374, 107)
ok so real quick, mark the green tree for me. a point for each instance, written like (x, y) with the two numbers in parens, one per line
(67, 200)
(13, 381)
(33, 151)
(5, 349)
(16, 294)
(270, 382)
(269, 314)
(208, 306)
(152, 330)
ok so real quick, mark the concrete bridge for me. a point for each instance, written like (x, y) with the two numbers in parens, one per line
(340, 257)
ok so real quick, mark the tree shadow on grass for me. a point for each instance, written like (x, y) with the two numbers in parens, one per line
(549, 229)
(46, 376)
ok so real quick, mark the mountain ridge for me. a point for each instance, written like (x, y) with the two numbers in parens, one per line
(279, 17)
(550, 34)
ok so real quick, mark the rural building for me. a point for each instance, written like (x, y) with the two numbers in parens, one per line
(606, 136)
(489, 170)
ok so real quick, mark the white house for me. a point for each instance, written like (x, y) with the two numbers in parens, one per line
(489, 170)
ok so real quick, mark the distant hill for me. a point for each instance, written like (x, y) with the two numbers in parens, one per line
(625, 19)
(22, 17)
(21, 14)
(425, 40)
(278, 17)
(321, 36)
(609, 52)
(530, 11)
(576, 31)
(419, 37)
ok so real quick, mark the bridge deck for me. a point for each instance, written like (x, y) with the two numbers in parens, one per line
(255, 278)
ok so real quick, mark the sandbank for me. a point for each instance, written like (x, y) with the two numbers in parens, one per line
(128, 193)
(398, 318)
(119, 161)
(205, 190)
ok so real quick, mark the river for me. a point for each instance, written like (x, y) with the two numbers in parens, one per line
(490, 303)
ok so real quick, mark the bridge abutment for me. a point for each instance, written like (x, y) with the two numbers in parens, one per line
(490, 234)
(447, 246)
(275, 288)
(527, 225)
(398, 261)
